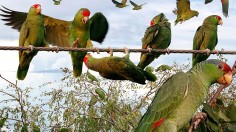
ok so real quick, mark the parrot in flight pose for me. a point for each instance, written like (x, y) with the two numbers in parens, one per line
(32, 33)
(181, 95)
(118, 68)
(225, 6)
(206, 37)
(76, 33)
(184, 11)
(136, 7)
(120, 5)
(157, 36)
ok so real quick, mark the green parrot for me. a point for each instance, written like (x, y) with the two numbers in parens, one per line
(32, 33)
(120, 5)
(118, 68)
(136, 7)
(184, 11)
(181, 95)
(157, 36)
(225, 6)
(206, 37)
(76, 33)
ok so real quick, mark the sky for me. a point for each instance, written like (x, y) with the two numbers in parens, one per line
(126, 29)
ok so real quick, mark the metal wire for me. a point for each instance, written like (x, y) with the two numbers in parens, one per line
(57, 49)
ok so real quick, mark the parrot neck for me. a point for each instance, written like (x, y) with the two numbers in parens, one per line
(209, 25)
(80, 25)
(35, 19)
(203, 78)
(95, 64)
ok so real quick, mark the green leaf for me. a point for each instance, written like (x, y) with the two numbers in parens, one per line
(163, 68)
(91, 77)
(210, 112)
(212, 126)
(100, 93)
(232, 126)
(92, 101)
(223, 116)
(231, 112)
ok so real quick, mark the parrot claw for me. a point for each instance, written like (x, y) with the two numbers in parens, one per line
(97, 50)
(31, 48)
(110, 52)
(126, 50)
(216, 52)
(149, 50)
(56, 49)
(207, 51)
(200, 116)
(168, 51)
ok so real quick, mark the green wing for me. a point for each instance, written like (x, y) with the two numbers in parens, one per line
(183, 6)
(116, 2)
(23, 36)
(135, 5)
(198, 39)
(166, 100)
(125, 68)
(57, 31)
(98, 27)
(208, 1)
(149, 35)
(225, 7)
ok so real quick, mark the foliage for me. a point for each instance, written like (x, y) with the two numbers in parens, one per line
(85, 104)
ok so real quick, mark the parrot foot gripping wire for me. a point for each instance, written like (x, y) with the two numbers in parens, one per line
(31, 48)
(57, 49)
(97, 50)
(198, 117)
(126, 50)
(110, 51)
(216, 52)
(207, 51)
(168, 51)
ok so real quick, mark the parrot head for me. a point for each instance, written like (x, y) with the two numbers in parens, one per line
(159, 18)
(86, 59)
(217, 70)
(82, 15)
(214, 19)
(36, 8)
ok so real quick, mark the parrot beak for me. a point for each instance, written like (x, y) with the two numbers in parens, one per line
(38, 10)
(226, 79)
(152, 23)
(220, 22)
(85, 19)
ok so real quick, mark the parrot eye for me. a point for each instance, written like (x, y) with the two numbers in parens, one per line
(220, 67)
(218, 17)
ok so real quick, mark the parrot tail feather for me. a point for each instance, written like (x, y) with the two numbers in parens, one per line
(22, 71)
(141, 65)
(77, 68)
(158, 123)
(150, 76)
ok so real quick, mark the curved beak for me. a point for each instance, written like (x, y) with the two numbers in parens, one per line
(226, 79)
(38, 10)
(220, 22)
(85, 19)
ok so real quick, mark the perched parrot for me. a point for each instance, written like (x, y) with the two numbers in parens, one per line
(32, 33)
(118, 68)
(136, 7)
(225, 6)
(157, 36)
(76, 33)
(184, 11)
(181, 95)
(206, 37)
(120, 5)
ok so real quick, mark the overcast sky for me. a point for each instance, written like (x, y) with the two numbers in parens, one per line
(126, 28)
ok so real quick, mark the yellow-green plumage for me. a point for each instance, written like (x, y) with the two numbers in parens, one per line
(118, 68)
(157, 36)
(179, 97)
(184, 11)
(206, 37)
(64, 33)
(32, 33)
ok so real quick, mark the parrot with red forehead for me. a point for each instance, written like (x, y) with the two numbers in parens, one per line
(118, 68)
(32, 33)
(225, 6)
(206, 37)
(157, 36)
(176, 101)
(76, 33)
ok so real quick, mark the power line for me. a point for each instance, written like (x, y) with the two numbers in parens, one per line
(58, 49)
